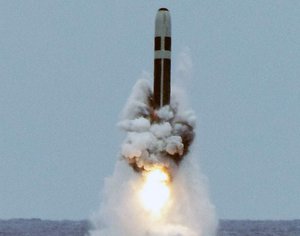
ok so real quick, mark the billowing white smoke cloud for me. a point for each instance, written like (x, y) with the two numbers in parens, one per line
(189, 213)
(156, 138)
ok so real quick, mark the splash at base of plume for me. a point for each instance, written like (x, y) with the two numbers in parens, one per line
(189, 211)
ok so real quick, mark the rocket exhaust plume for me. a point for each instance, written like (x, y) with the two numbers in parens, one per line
(155, 192)
(160, 192)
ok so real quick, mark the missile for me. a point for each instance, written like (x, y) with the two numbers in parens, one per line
(162, 59)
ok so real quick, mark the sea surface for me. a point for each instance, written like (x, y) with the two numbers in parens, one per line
(38, 227)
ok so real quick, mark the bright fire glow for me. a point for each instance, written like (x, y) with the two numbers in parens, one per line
(155, 192)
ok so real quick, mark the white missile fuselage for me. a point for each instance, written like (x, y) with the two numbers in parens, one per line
(162, 59)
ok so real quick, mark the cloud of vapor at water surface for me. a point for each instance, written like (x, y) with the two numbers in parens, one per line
(156, 138)
(189, 212)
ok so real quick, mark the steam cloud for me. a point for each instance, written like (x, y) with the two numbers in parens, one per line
(154, 139)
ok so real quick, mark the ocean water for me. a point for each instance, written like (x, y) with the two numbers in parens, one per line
(38, 227)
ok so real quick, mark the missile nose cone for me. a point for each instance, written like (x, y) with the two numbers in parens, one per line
(163, 23)
(163, 9)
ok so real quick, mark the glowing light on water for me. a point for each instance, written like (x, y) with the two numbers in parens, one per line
(155, 191)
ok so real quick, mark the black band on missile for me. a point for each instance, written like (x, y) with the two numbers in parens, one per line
(166, 81)
(157, 43)
(162, 79)
(157, 82)
(168, 43)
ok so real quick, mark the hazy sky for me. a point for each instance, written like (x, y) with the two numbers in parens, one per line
(67, 68)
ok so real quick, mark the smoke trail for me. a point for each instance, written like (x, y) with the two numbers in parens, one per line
(156, 139)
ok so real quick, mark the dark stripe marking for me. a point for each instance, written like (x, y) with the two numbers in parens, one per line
(157, 43)
(168, 43)
(157, 82)
(166, 81)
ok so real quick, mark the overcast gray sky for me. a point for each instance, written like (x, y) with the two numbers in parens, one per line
(67, 68)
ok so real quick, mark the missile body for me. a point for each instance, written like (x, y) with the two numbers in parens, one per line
(162, 59)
